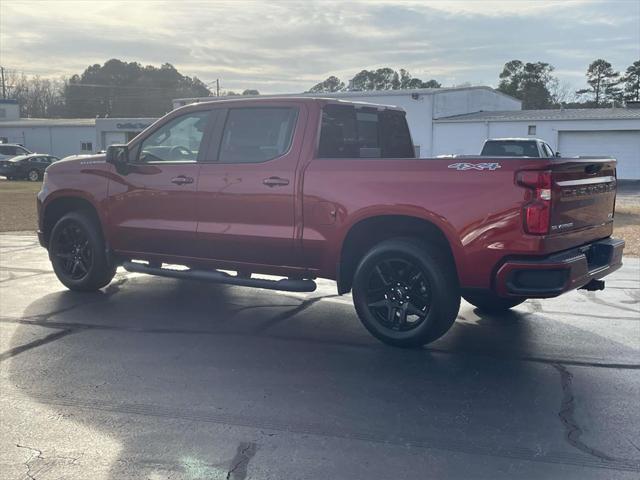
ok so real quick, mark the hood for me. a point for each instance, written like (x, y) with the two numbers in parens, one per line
(86, 158)
(16, 159)
(76, 162)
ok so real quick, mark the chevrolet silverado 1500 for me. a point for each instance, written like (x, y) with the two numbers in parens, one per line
(302, 188)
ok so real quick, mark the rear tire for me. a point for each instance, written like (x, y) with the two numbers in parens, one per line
(78, 254)
(490, 303)
(406, 292)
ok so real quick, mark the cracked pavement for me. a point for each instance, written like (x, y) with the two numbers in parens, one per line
(164, 379)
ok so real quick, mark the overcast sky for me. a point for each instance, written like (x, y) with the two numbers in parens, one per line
(289, 46)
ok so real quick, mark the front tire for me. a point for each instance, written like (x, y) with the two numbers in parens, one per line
(406, 292)
(490, 303)
(78, 254)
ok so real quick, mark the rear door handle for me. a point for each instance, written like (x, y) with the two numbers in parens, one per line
(181, 180)
(275, 182)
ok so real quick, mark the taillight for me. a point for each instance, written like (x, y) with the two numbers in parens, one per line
(537, 212)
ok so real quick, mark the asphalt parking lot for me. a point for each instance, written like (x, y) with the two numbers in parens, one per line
(156, 378)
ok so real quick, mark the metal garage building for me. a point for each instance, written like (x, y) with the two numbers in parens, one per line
(611, 132)
(58, 137)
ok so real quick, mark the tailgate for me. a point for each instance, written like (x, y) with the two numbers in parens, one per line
(583, 193)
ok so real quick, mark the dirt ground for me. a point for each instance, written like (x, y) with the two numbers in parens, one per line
(18, 213)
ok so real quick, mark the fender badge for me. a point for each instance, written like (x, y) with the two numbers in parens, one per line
(475, 166)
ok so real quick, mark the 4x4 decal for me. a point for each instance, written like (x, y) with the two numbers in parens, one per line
(475, 166)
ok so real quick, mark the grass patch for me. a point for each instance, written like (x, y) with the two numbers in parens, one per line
(18, 205)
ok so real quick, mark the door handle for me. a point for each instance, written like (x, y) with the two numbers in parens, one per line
(275, 182)
(181, 180)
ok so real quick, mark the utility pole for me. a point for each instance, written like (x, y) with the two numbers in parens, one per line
(217, 86)
(4, 88)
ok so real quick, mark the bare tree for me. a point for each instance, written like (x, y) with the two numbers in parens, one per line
(36, 96)
(561, 92)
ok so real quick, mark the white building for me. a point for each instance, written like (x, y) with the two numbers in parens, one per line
(62, 137)
(119, 130)
(57, 137)
(422, 106)
(611, 132)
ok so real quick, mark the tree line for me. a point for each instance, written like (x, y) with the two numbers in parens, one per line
(121, 89)
(381, 79)
(115, 89)
(534, 84)
(531, 82)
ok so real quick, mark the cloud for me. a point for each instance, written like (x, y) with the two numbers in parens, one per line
(289, 46)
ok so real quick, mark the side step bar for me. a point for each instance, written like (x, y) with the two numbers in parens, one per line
(215, 276)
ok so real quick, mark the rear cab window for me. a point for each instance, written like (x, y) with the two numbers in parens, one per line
(364, 132)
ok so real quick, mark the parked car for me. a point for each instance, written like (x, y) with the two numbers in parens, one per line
(30, 167)
(304, 188)
(10, 150)
(517, 147)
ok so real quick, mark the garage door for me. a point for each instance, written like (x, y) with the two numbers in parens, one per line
(623, 145)
(111, 138)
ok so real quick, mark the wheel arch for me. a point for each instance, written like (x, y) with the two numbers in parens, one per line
(371, 230)
(55, 208)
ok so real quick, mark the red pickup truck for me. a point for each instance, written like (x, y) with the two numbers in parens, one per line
(302, 188)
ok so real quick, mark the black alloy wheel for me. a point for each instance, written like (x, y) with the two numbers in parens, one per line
(406, 292)
(72, 251)
(398, 294)
(78, 253)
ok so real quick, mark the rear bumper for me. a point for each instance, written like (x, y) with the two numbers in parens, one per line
(558, 273)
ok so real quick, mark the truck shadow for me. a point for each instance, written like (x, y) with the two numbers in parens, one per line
(193, 380)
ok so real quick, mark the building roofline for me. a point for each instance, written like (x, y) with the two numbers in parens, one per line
(551, 115)
(48, 122)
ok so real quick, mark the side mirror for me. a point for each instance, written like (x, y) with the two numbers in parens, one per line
(558, 154)
(118, 155)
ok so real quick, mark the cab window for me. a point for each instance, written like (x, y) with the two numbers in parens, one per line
(177, 141)
(254, 135)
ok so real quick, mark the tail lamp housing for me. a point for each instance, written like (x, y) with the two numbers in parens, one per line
(537, 211)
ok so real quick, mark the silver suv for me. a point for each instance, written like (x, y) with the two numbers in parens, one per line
(10, 150)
